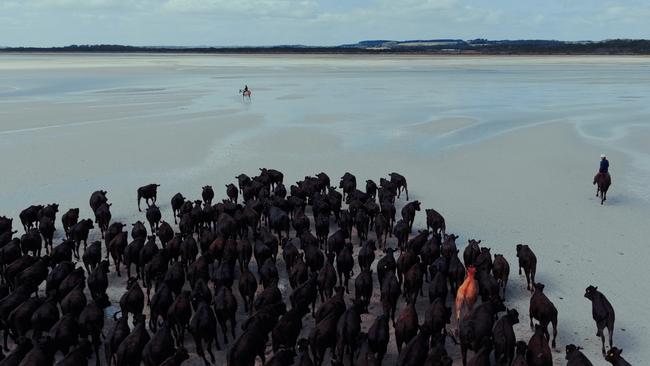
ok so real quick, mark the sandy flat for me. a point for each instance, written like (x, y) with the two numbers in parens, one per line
(520, 174)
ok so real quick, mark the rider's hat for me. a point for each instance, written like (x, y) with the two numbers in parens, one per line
(602, 156)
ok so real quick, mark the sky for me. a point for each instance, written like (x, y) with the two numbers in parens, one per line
(45, 23)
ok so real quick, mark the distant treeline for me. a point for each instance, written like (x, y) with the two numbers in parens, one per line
(477, 46)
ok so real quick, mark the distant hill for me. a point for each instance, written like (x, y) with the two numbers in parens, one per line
(426, 46)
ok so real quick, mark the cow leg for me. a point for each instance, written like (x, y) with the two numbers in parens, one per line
(209, 348)
(233, 324)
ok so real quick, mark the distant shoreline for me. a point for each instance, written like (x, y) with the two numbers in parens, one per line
(287, 53)
(447, 48)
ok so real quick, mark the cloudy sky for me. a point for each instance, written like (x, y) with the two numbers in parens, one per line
(312, 22)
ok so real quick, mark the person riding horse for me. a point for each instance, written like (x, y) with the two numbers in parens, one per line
(246, 92)
(603, 180)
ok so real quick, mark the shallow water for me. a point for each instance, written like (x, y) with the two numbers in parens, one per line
(424, 104)
(376, 97)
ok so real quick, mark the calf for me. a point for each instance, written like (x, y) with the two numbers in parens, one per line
(413, 283)
(407, 326)
(179, 314)
(614, 357)
(603, 314)
(161, 301)
(306, 294)
(153, 217)
(130, 349)
(348, 330)
(501, 271)
(74, 302)
(159, 348)
(79, 233)
(247, 289)
(527, 261)
(371, 189)
(323, 336)
(65, 333)
(148, 192)
(46, 228)
(232, 192)
(139, 231)
(366, 254)
(406, 260)
(435, 222)
(118, 332)
(362, 223)
(92, 256)
(31, 242)
(97, 198)
(19, 319)
(478, 326)
(344, 265)
(116, 248)
(270, 296)
(132, 301)
(390, 293)
(386, 265)
(69, 219)
(542, 309)
(177, 202)
(279, 221)
(327, 278)
(438, 285)
(103, 217)
(381, 229)
(6, 224)
(29, 216)
(471, 252)
(285, 333)
(504, 337)
(203, 326)
(91, 321)
(165, 233)
(408, 213)
(378, 337)
(249, 346)
(576, 358)
(539, 353)
(290, 254)
(416, 350)
(225, 309)
(436, 319)
(363, 286)
(401, 232)
(44, 317)
(131, 256)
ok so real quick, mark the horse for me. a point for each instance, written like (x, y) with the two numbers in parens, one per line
(245, 93)
(602, 182)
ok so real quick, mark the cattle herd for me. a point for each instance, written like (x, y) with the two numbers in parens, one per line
(179, 283)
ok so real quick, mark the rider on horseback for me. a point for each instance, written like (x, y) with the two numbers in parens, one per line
(604, 164)
(603, 179)
(245, 88)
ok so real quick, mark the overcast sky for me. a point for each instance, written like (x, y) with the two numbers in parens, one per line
(312, 22)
